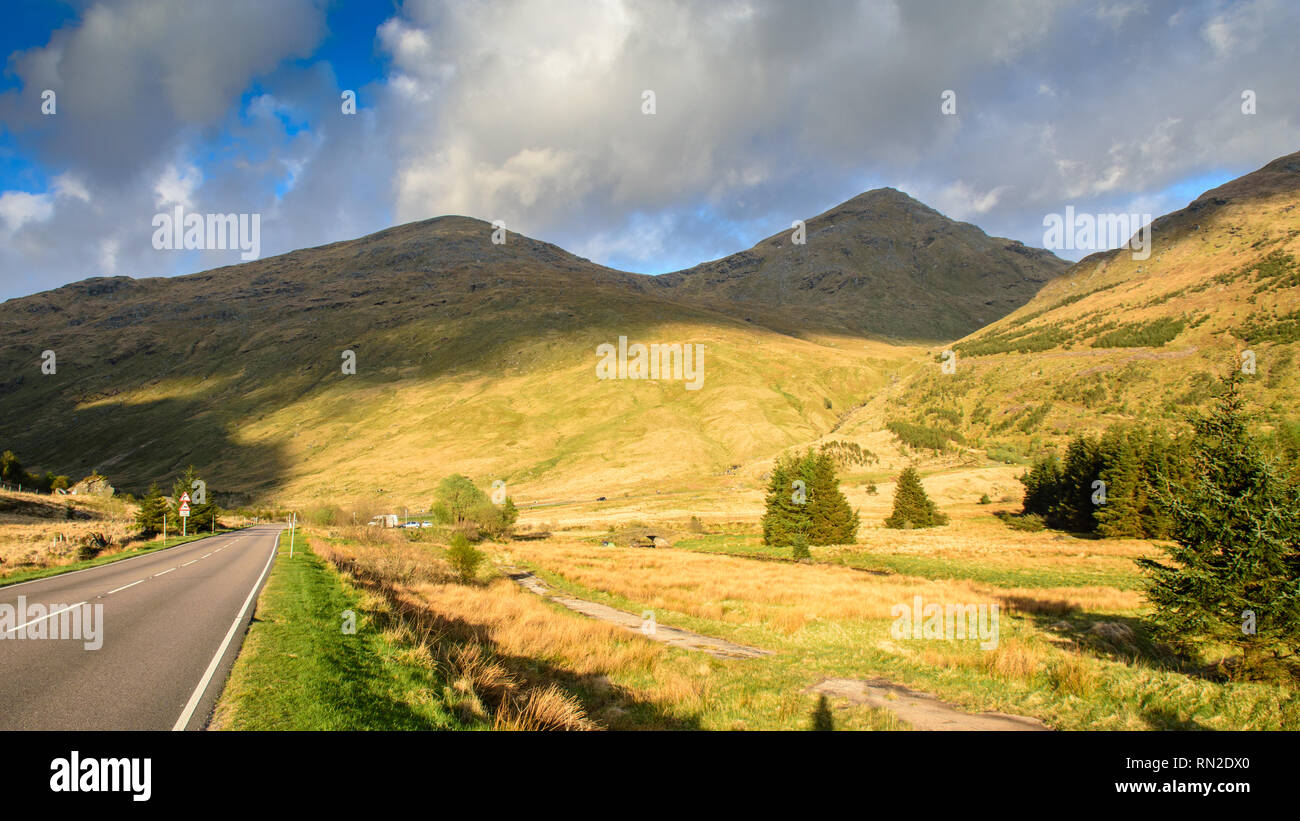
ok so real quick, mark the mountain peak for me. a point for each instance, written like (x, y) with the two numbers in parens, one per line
(882, 263)
(1281, 176)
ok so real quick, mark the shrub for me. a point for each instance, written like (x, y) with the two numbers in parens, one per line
(464, 557)
(923, 437)
(1151, 334)
(91, 546)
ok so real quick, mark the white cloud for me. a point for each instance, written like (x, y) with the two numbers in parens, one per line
(176, 186)
(19, 207)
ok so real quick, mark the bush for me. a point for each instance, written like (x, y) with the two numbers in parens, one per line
(464, 557)
(1153, 334)
(92, 545)
(922, 437)
(460, 503)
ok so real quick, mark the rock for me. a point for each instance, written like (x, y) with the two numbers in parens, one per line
(93, 485)
(1062, 627)
(1112, 632)
(660, 541)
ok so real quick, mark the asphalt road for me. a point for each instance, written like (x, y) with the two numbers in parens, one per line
(172, 623)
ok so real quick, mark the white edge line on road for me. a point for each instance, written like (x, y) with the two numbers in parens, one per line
(125, 586)
(43, 618)
(195, 697)
(4, 588)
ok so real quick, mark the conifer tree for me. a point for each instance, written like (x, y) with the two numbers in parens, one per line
(804, 498)
(1231, 580)
(152, 508)
(786, 514)
(912, 507)
(830, 518)
(1120, 515)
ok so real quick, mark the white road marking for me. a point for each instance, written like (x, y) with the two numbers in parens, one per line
(205, 555)
(195, 697)
(190, 562)
(123, 587)
(164, 573)
(46, 616)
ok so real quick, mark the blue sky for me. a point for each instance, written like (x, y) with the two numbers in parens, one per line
(534, 113)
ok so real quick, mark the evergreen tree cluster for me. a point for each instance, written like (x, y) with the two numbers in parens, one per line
(1125, 460)
(912, 507)
(815, 510)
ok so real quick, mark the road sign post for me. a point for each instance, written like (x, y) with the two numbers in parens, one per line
(292, 527)
(184, 511)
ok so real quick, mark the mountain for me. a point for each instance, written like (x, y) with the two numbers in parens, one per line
(881, 264)
(471, 357)
(1116, 338)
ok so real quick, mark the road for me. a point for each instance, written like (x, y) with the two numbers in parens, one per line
(172, 624)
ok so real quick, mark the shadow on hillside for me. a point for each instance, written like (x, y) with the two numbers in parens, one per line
(134, 444)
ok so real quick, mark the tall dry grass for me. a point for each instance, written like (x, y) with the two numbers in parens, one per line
(509, 655)
(783, 596)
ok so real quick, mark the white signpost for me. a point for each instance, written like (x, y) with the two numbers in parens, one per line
(184, 511)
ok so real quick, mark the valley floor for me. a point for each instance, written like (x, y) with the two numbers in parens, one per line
(1070, 649)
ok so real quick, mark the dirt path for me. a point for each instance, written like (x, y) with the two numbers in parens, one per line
(656, 632)
(921, 710)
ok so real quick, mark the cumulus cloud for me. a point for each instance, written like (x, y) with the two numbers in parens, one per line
(764, 111)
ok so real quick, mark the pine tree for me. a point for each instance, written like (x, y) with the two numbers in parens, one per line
(1120, 514)
(912, 507)
(786, 513)
(1235, 561)
(152, 509)
(804, 498)
(202, 514)
(1043, 487)
(830, 518)
(1083, 465)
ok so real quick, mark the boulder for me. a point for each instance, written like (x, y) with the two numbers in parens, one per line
(93, 485)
